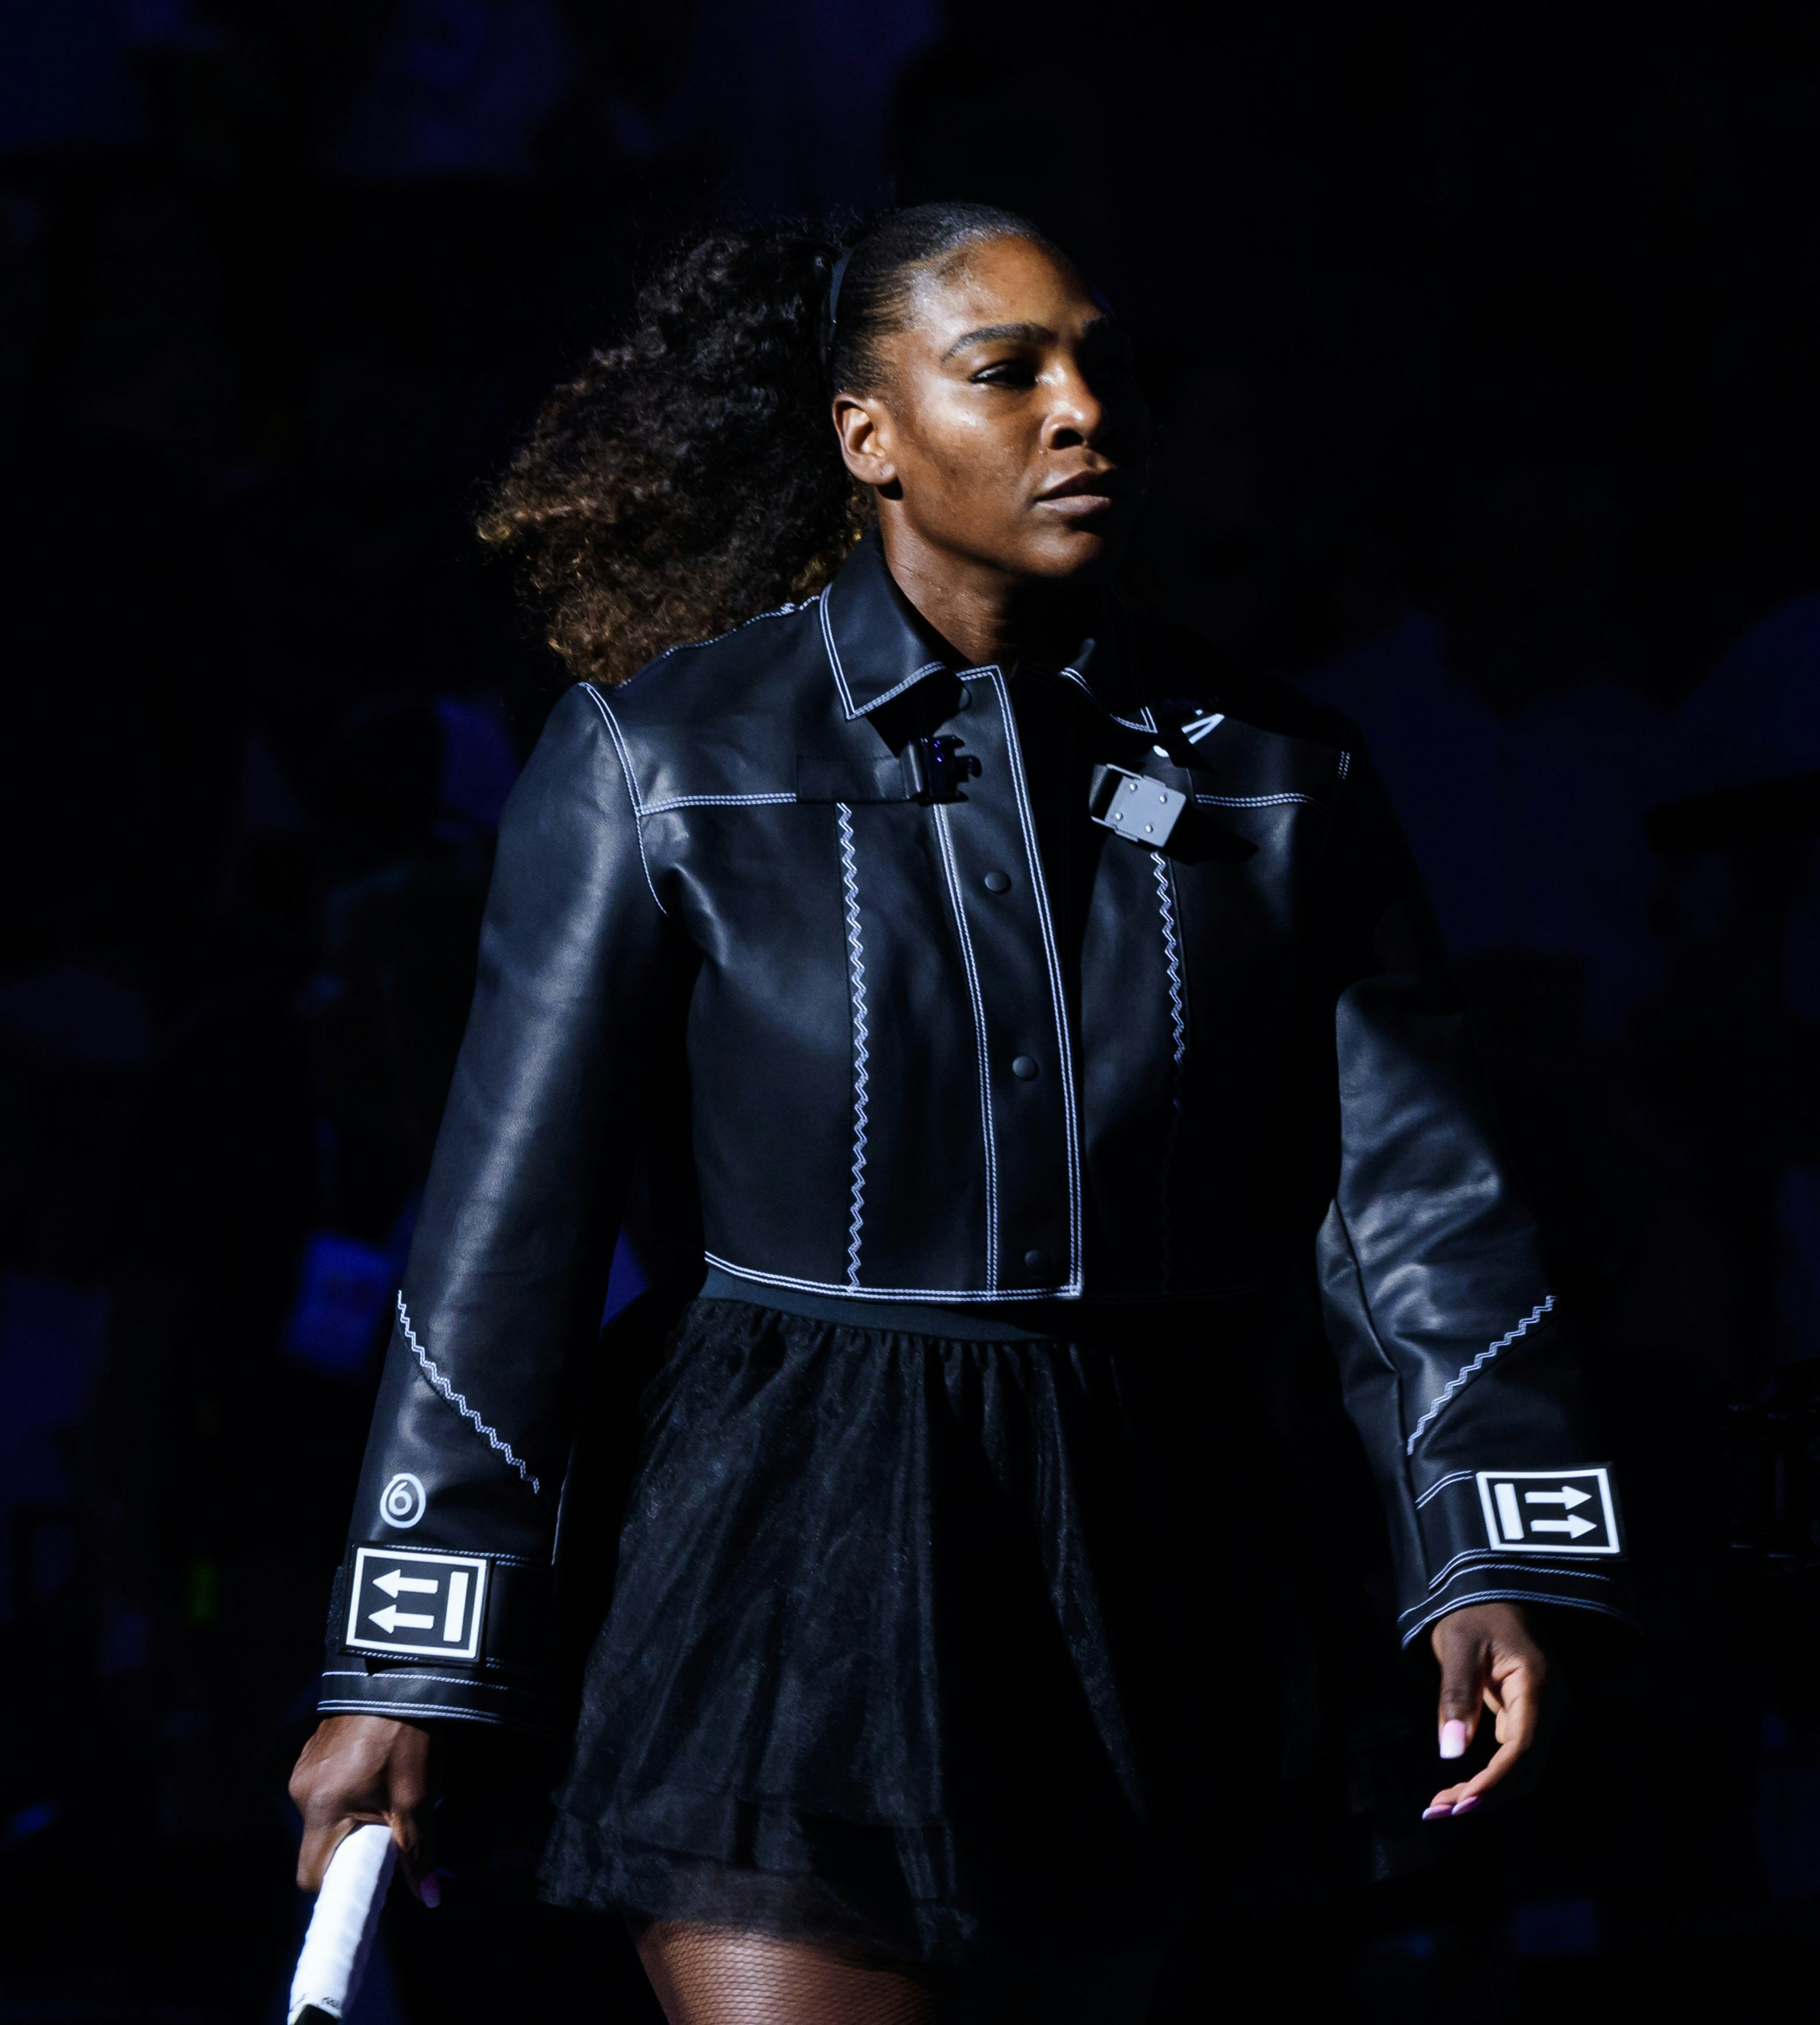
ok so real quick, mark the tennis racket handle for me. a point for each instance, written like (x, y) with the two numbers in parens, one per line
(342, 1926)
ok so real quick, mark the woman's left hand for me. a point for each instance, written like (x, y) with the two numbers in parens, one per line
(1488, 1661)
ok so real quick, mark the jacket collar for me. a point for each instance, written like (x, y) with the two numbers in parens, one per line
(878, 649)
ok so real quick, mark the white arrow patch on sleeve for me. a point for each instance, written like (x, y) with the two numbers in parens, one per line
(1549, 1511)
(416, 1603)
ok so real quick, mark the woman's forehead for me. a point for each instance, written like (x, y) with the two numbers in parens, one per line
(994, 281)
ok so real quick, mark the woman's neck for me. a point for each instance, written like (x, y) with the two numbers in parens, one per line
(989, 616)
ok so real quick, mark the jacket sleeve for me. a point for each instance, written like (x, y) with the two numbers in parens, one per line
(441, 1608)
(1455, 1364)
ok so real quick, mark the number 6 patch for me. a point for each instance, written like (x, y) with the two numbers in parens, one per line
(426, 1605)
(1549, 1511)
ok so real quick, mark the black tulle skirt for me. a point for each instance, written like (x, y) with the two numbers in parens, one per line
(910, 1641)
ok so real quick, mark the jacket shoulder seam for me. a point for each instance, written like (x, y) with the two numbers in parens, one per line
(714, 639)
(632, 793)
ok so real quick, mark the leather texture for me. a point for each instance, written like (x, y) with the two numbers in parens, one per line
(931, 1034)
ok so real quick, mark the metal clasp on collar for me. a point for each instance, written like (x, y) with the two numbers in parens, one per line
(1135, 806)
(935, 768)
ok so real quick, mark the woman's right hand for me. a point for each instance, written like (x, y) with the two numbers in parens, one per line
(366, 1768)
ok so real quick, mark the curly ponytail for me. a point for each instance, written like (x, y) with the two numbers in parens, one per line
(690, 476)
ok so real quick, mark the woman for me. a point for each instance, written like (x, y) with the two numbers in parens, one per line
(1039, 1004)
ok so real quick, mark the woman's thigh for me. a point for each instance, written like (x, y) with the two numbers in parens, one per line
(712, 1975)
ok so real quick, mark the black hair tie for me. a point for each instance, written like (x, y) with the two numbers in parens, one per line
(834, 289)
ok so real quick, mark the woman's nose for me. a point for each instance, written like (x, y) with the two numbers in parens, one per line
(1076, 415)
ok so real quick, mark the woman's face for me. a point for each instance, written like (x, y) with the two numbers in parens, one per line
(1010, 432)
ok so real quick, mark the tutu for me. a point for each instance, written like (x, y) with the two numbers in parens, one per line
(902, 1646)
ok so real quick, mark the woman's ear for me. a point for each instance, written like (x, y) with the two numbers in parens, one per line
(864, 431)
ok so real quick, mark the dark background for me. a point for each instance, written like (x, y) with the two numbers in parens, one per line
(1484, 343)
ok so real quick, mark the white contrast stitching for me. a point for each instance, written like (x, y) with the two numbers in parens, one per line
(447, 1680)
(856, 978)
(909, 682)
(847, 703)
(1060, 1293)
(1466, 1371)
(459, 1400)
(897, 689)
(945, 843)
(1178, 1032)
(1146, 722)
(631, 789)
(1447, 1608)
(1064, 1048)
(1435, 1489)
(1253, 801)
(1487, 1566)
(1345, 761)
(710, 801)
(714, 639)
(366, 1704)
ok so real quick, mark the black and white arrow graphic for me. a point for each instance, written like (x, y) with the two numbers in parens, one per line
(417, 1601)
(392, 1618)
(397, 1579)
(1567, 1495)
(1514, 1524)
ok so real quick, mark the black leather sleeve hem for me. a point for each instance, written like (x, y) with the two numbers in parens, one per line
(429, 1697)
(1558, 1589)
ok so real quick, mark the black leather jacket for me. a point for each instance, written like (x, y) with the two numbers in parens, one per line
(942, 1032)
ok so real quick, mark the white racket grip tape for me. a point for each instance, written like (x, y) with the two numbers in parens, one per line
(344, 1922)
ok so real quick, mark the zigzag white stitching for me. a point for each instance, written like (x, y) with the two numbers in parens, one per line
(1468, 1371)
(856, 972)
(1345, 761)
(1178, 1031)
(459, 1400)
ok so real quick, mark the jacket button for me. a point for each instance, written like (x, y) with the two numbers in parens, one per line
(998, 882)
(965, 701)
(1023, 1067)
(1037, 1261)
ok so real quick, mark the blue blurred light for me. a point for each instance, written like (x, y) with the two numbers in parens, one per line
(32, 1821)
(343, 1295)
(1556, 1928)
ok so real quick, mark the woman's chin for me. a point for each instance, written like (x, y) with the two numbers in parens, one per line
(1078, 549)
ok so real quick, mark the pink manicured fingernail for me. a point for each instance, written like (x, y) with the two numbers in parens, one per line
(1453, 1739)
(431, 1892)
(1466, 1806)
(1435, 1813)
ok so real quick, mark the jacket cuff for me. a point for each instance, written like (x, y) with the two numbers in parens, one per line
(1485, 1579)
(1528, 1536)
(439, 1636)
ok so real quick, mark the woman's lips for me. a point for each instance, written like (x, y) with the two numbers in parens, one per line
(1075, 499)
